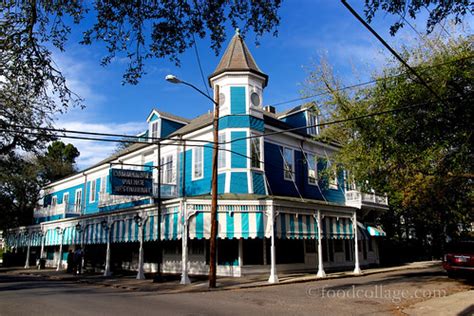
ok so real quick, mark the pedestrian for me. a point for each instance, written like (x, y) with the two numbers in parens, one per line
(78, 255)
(70, 261)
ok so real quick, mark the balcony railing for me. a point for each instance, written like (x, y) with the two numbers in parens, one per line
(58, 209)
(168, 191)
(359, 199)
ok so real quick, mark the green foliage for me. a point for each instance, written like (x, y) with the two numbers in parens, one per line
(420, 150)
(33, 89)
(21, 179)
(58, 162)
(19, 190)
(440, 11)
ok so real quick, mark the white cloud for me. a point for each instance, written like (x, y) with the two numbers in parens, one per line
(94, 151)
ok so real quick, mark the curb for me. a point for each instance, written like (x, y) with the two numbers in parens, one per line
(199, 289)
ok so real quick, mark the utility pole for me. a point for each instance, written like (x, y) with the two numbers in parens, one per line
(213, 241)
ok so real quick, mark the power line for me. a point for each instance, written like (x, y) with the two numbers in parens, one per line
(392, 51)
(200, 66)
(336, 121)
(130, 137)
(369, 82)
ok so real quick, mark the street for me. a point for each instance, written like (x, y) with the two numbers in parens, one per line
(382, 294)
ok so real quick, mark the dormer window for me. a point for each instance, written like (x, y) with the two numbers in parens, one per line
(312, 122)
(154, 130)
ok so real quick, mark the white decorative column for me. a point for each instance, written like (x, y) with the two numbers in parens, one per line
(141, 272)
(60, 259)
(184, 251)
(321, 273)
(27, 262)
(43, 237)
(107, 272)
(273, 273)
(356, 245)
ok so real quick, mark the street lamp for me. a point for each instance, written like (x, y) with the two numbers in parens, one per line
(212, 244)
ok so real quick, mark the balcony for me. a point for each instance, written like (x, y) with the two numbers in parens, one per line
(360, 200)
(57, 211)
(168, 191)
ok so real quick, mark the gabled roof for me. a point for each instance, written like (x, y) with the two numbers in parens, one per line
(296, 109)
(168, 116)
(236, 58)
(195, 124)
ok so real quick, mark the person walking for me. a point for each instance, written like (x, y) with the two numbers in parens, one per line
(70, 261)
(78, 254)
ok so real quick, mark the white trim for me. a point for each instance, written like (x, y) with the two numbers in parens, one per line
(93, 188)
(193, 177)
(292, 178)
(315, 169)
(78, 206)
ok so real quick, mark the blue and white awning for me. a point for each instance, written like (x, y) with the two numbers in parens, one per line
(296, 226)
(238, 224)
(305, 226)
(376, 231)
(337, 228)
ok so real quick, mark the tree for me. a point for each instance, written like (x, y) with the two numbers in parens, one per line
(420, 150)
(58, 162)
(23, 176)
(32, 89)
(413, 8)
(19, 190)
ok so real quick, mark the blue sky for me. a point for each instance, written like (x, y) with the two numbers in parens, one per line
(307, 30)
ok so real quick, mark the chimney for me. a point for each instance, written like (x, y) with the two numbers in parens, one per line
(270, 109)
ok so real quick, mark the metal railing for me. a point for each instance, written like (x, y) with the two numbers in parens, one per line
(357, 198)
(58, 209)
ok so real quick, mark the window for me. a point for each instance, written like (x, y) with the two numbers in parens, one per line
(92, 191)
(312, 162)
(256, 143)
(154, 130)
(66, 199)
(221, 158)
(78, 201)
(167, 170)
(332, 169)
(198, 163)
(312, 120)
(288, 163)
(103, 184)
(54, 201)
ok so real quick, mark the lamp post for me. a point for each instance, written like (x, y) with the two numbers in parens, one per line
(28, 242)
(213, 240)
(60, 231)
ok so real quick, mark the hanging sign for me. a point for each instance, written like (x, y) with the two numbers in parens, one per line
(131, 182)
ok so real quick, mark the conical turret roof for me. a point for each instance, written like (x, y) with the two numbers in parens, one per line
(236, 58)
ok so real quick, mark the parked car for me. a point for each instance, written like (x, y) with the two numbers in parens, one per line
(459, 258)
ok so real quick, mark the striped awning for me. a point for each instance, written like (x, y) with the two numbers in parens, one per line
(52, 237)
(337, 228)
(230, 224)
(171, 225)
(376, 231)
(305, 226)
(296, 226)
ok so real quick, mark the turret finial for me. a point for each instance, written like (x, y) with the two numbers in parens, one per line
(237, 31)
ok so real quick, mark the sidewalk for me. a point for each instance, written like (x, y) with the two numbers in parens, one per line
(170, 284)
(458, 304)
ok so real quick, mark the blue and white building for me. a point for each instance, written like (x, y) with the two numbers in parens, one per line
(276, 211)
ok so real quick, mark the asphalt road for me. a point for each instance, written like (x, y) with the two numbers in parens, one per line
(381, 294)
